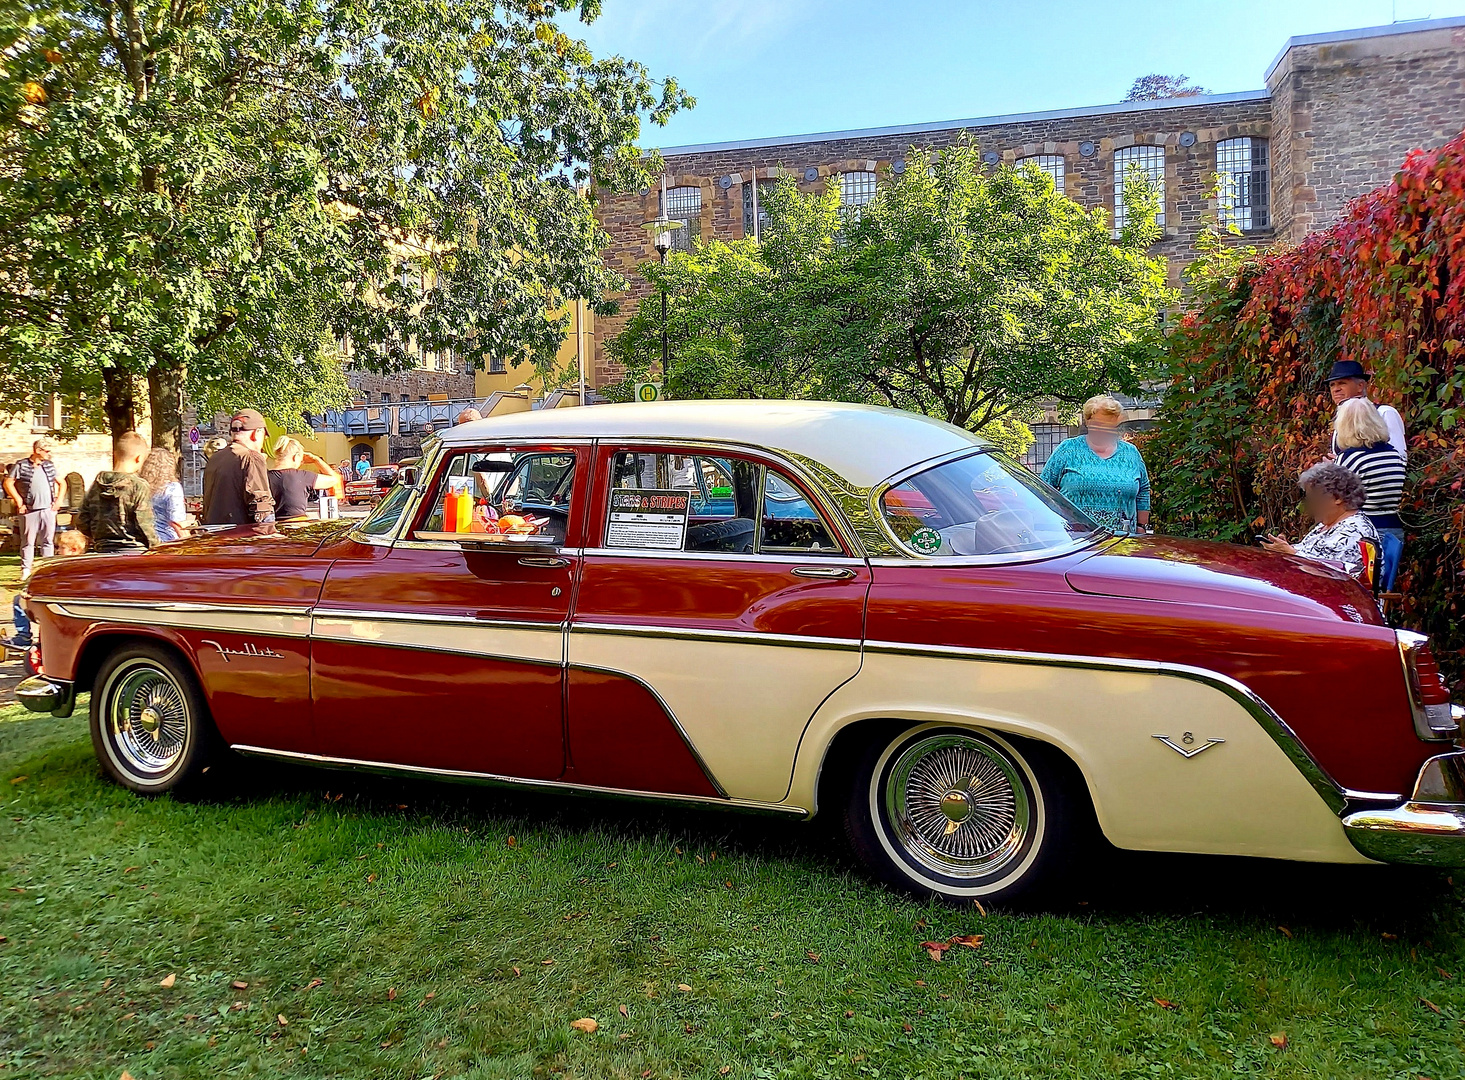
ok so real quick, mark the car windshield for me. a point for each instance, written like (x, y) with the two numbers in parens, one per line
(981, 504)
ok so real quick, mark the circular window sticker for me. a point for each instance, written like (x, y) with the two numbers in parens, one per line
(926, 541)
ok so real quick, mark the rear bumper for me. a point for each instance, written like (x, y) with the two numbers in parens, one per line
(46, 695)
(1428, 830)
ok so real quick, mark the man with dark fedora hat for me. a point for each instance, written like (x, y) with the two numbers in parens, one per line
(1347, 380)
(236, 480)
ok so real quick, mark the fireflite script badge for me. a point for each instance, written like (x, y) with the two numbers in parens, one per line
(1187, 741)
(248, 649)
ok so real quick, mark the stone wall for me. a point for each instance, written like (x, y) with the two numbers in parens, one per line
(1349, 110)
(1087, 139)
(416, 383)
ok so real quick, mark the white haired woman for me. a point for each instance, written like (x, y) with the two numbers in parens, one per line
(1334, 497)
(294, 473)
(1361, 439)
(1100, 473)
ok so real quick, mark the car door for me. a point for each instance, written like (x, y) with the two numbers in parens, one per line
(717, 607)
(444, 650)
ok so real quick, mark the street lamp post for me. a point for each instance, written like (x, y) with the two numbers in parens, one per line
(661, 230)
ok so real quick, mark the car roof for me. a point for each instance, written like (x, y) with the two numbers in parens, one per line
(864, 444)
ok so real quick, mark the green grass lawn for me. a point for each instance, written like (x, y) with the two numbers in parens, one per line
(398, 930)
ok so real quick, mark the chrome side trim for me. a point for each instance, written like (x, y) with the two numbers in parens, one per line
(727, 636)
(58, 604)
(372, 615)
(725, 556)
(1285, 738)
(464, 776)
(687, 739)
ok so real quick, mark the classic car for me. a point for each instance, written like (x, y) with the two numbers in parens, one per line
(372, 486)
(792, 608)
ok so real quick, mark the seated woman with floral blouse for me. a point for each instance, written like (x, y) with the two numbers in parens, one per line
(1334, 496)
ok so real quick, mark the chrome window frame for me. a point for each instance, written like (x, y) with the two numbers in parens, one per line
(877, 493)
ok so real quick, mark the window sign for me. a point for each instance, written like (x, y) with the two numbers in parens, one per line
(648, 518)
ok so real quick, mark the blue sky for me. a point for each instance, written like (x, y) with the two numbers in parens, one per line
(783, 67)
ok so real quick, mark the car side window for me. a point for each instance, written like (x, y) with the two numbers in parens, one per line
(789, 523)
(517, 495)
(708, 503)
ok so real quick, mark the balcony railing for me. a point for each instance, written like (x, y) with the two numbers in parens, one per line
(421, 417)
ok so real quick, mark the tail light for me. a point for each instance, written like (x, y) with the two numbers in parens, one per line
(1435, 719)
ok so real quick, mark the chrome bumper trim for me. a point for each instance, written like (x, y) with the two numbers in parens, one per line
(1428, 829)
(40, 694)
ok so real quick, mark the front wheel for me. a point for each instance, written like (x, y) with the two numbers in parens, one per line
(963, 814)
(150, 725)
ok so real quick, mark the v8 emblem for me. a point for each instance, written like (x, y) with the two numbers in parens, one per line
(1186, 748)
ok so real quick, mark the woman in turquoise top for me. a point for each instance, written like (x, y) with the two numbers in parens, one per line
(1100, 473)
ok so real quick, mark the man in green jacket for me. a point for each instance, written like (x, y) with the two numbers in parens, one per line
(117, 513)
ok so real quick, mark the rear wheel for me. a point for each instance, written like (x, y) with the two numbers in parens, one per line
(150, 725)
(963, 814)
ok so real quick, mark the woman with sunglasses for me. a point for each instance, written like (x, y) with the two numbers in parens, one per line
(1334, 497)
(1100, 473)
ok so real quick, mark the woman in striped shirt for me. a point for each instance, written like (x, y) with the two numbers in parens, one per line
(1362, 439)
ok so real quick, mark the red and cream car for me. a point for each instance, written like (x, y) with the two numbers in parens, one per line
(782, 607)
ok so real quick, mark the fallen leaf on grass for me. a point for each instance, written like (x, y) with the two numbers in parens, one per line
(684, 988)
(169, 980)
(546, 963)
(280, 1019)
(625, 1012)
(1388, 936)
(386, 1044)
(391, 993)
(17, 888)
(3, 939)
(980, 909)
(238, 984)
(129, 869)
(314, 983)
(812, 956)
(586, 1024)
(512, 841)
(1279, 1040)
(971, 941)
(920, 982)
(430, 995)
(905, 1026)
(370, 878)
(848, 1013)
(1165, 1003)
(125, 1075)
(935, 948)
(724, 1070)
(1431, 1006)
(1285, 932)
(516, 972)
(645, 1074)
(1443, 973)
(18, 779)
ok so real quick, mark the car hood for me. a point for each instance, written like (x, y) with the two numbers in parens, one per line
(287, 541)
(1172, 570)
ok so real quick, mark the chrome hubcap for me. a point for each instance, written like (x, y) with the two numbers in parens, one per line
(958, 805)
(147, 717)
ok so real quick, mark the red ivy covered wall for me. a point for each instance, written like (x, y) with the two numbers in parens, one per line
(1248, 406)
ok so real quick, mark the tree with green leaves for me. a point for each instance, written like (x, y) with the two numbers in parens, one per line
(968, 294)
(211, 196)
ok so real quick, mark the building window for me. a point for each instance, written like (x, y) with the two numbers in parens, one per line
(495, 365)
(1151, 161)
(764, 187)
(856, 189)
(1246, 196)
(1046, 438)
(1052, 164)
(683, 204)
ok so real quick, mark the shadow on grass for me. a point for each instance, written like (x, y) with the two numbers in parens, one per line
(1114, 884)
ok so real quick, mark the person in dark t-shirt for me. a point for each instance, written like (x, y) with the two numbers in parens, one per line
(294, 473)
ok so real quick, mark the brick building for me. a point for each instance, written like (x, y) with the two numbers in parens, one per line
(1338, 114)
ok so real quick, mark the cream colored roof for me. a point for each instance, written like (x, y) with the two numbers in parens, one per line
(865, 444)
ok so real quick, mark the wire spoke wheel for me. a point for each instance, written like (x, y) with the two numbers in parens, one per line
(146, 718)
(957, 805)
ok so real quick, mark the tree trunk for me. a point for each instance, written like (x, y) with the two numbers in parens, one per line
(165, 405)
(121, 403)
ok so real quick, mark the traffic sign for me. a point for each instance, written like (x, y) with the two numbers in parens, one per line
(193, 437)
(648, 391)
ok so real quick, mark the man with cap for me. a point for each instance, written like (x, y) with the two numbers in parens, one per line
(1348, 380)
(236, 480)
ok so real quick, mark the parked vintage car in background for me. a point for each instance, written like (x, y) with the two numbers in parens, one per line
(782, 607)
(372, 486)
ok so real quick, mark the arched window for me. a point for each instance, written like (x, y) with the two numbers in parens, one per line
(1246, 195)
(1151, 161)
(683, 204)
(1052, 164)
(856, 189)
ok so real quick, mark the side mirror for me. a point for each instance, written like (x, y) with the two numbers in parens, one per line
(407, 475)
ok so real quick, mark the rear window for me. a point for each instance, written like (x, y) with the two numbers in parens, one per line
(982, 504)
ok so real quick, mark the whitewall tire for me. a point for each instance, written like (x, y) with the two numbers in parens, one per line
(964, 814)
(150, 724)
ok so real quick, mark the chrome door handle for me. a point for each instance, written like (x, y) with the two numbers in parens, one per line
(543, 560)
(841, 572)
